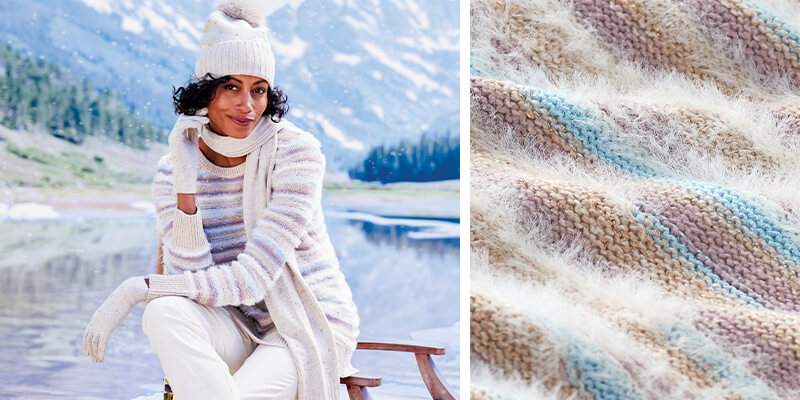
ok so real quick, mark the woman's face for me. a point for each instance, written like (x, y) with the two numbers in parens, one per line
(238, 105)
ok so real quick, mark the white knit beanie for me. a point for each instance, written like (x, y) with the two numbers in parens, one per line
(235, 42)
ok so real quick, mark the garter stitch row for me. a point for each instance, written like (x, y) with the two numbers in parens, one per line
(635, 199)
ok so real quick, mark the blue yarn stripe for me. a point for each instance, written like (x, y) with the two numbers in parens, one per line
(314, 265)
(593, 132)
(771, 21)
(702, 351)
(699, 255)
(222, 211)
(589, 369)
(223, 228)
(723, 287)
(484, 70)
(590, 130)
(785, 242)
(538, 109)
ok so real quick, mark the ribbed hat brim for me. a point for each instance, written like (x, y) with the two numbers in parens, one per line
(237, 58)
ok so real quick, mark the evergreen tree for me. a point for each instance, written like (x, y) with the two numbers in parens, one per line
(433, 158)
(38, 95)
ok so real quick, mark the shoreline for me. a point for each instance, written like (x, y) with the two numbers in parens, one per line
(430, 200)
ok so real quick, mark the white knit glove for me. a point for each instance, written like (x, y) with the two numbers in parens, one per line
(183, 146)
(118, 305)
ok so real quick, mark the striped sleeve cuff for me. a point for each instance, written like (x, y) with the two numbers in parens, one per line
(187, 231)
(167, 285)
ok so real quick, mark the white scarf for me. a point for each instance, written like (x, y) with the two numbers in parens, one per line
(293, 307)
(260, 147)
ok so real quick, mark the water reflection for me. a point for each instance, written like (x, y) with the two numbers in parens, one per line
(43, 258)
(398, 236)
(404, 288)
(54, 274)
(429, 236)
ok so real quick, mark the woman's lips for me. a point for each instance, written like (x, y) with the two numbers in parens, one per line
(240, 121)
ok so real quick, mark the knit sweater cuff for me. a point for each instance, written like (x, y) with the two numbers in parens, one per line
(167, 285)
(187, 231)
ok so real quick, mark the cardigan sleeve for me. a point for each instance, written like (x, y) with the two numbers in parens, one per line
(296, 192)
(184, 242)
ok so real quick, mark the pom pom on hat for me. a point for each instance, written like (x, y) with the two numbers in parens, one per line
(235, 41)
(247, 10)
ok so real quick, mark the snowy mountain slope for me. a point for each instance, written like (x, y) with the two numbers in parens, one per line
(357, 73)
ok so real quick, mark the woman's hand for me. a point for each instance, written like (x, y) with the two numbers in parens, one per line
(186, 203)
(184, 149)
(118, 305)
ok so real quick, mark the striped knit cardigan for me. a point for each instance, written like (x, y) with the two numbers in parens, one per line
(210, 247)
(635, 199)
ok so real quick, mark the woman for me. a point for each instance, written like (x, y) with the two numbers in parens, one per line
(251, 303)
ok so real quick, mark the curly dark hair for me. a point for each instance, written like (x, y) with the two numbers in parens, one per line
(198, 93)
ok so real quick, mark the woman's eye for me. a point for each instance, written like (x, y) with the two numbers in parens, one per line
(230, 86)
(260, 90)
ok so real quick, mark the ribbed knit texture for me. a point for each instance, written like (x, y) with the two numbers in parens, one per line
(167, 285)
(635, 199)
(210, 247)
(237, 58)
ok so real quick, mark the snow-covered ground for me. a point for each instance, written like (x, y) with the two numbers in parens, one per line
(26, 212)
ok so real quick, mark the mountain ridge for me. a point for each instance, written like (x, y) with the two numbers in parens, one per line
(357, 75)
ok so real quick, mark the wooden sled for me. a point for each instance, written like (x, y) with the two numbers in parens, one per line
(434, 381)
(357, 385)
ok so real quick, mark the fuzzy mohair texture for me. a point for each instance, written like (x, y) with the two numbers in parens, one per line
(247, 10)
(635, 199)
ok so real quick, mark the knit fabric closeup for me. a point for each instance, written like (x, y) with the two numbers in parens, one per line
(635, 199)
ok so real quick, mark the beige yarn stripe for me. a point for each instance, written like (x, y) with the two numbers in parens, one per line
(611, 232)
(746, 237)
(509, 104)
(506, 340)
(766, 258)
(541, 41)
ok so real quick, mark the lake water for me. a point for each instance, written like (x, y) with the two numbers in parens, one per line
(54, 274)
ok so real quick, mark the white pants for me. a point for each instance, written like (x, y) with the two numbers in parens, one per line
(205, 355)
